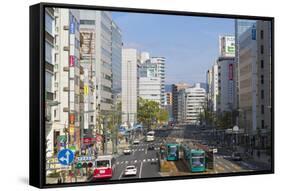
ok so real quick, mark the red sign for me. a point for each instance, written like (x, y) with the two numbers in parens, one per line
(87, 140)
(71, 61)
(230, 72)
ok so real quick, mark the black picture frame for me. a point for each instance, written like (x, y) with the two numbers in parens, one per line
(37, 93)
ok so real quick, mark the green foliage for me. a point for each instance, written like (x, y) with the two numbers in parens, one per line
(149, 113)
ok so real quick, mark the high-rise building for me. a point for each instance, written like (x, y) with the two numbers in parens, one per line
(130, 64)
(212, 87)
(88, 80)
(116, 49)
(191, 102)
(241, 25)
(149, 81)
(49, 78)
(175, 90)
(225, 84)
(255, 82)
(101, 22)
(152, 78)
(67, 90)
(160, 66)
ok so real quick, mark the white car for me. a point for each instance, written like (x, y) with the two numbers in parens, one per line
(127, 151)
(130, 171)
(136, 142)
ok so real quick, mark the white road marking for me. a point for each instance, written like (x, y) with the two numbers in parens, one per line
(126, 162)
(153, 159)
(121, 174)
(136, 161)
(117, 163)
(140, 170)
(143, 160)
(122, 162)
(148, 160)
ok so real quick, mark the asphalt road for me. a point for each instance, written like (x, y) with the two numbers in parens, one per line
(145, 160)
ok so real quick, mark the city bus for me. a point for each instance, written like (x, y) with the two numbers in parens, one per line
(172, 151)
(104, 167)
(194, 159)
(150, 136)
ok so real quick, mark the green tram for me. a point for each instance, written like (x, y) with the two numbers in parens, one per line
(194, 158)
(172, 153)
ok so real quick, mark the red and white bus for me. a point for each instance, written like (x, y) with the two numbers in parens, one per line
(104, 167)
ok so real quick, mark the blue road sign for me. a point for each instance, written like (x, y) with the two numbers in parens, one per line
(65, 157)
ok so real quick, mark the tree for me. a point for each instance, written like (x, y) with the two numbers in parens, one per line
(163, 116)
(147, 112)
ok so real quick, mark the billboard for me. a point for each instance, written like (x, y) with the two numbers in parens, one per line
(227, 46)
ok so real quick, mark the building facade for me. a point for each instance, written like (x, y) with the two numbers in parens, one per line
(67, 114)
(191, 103)
(130, 64)
(255, 82)
(225, 84)
(175, 90)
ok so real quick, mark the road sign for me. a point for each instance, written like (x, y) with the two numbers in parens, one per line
(215, 150)
(65, 157)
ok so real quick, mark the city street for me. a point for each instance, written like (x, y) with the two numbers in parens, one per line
(145, 161)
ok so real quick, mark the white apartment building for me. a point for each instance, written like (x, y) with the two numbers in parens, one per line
(160, 68)
(66, 114)
(130, 64)
(152, 78)
(190, 104)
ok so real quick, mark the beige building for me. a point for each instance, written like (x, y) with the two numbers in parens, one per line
(255, 83)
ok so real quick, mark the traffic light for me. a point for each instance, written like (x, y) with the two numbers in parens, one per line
(90, 164)
(79, 165)
(85, 165)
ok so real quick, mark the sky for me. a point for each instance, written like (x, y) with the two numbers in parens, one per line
(189, 44)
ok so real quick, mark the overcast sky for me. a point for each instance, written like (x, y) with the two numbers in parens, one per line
(190, 44)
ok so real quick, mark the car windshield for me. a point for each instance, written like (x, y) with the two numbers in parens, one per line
(130, 168)
(102, 163)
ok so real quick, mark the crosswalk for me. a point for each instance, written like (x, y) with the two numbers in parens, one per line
(137, 161)
(146, 144)
(143, 149)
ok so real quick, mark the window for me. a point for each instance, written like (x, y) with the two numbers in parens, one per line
(261, 34)
(262, 49)
(48, 23)
(55, 113)
(262, 79)
(262, 63)
(262, 109)
(262, 124)
(87, 22)
(48, 52)
(48, 78)
(262, 94)
(92, 118)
